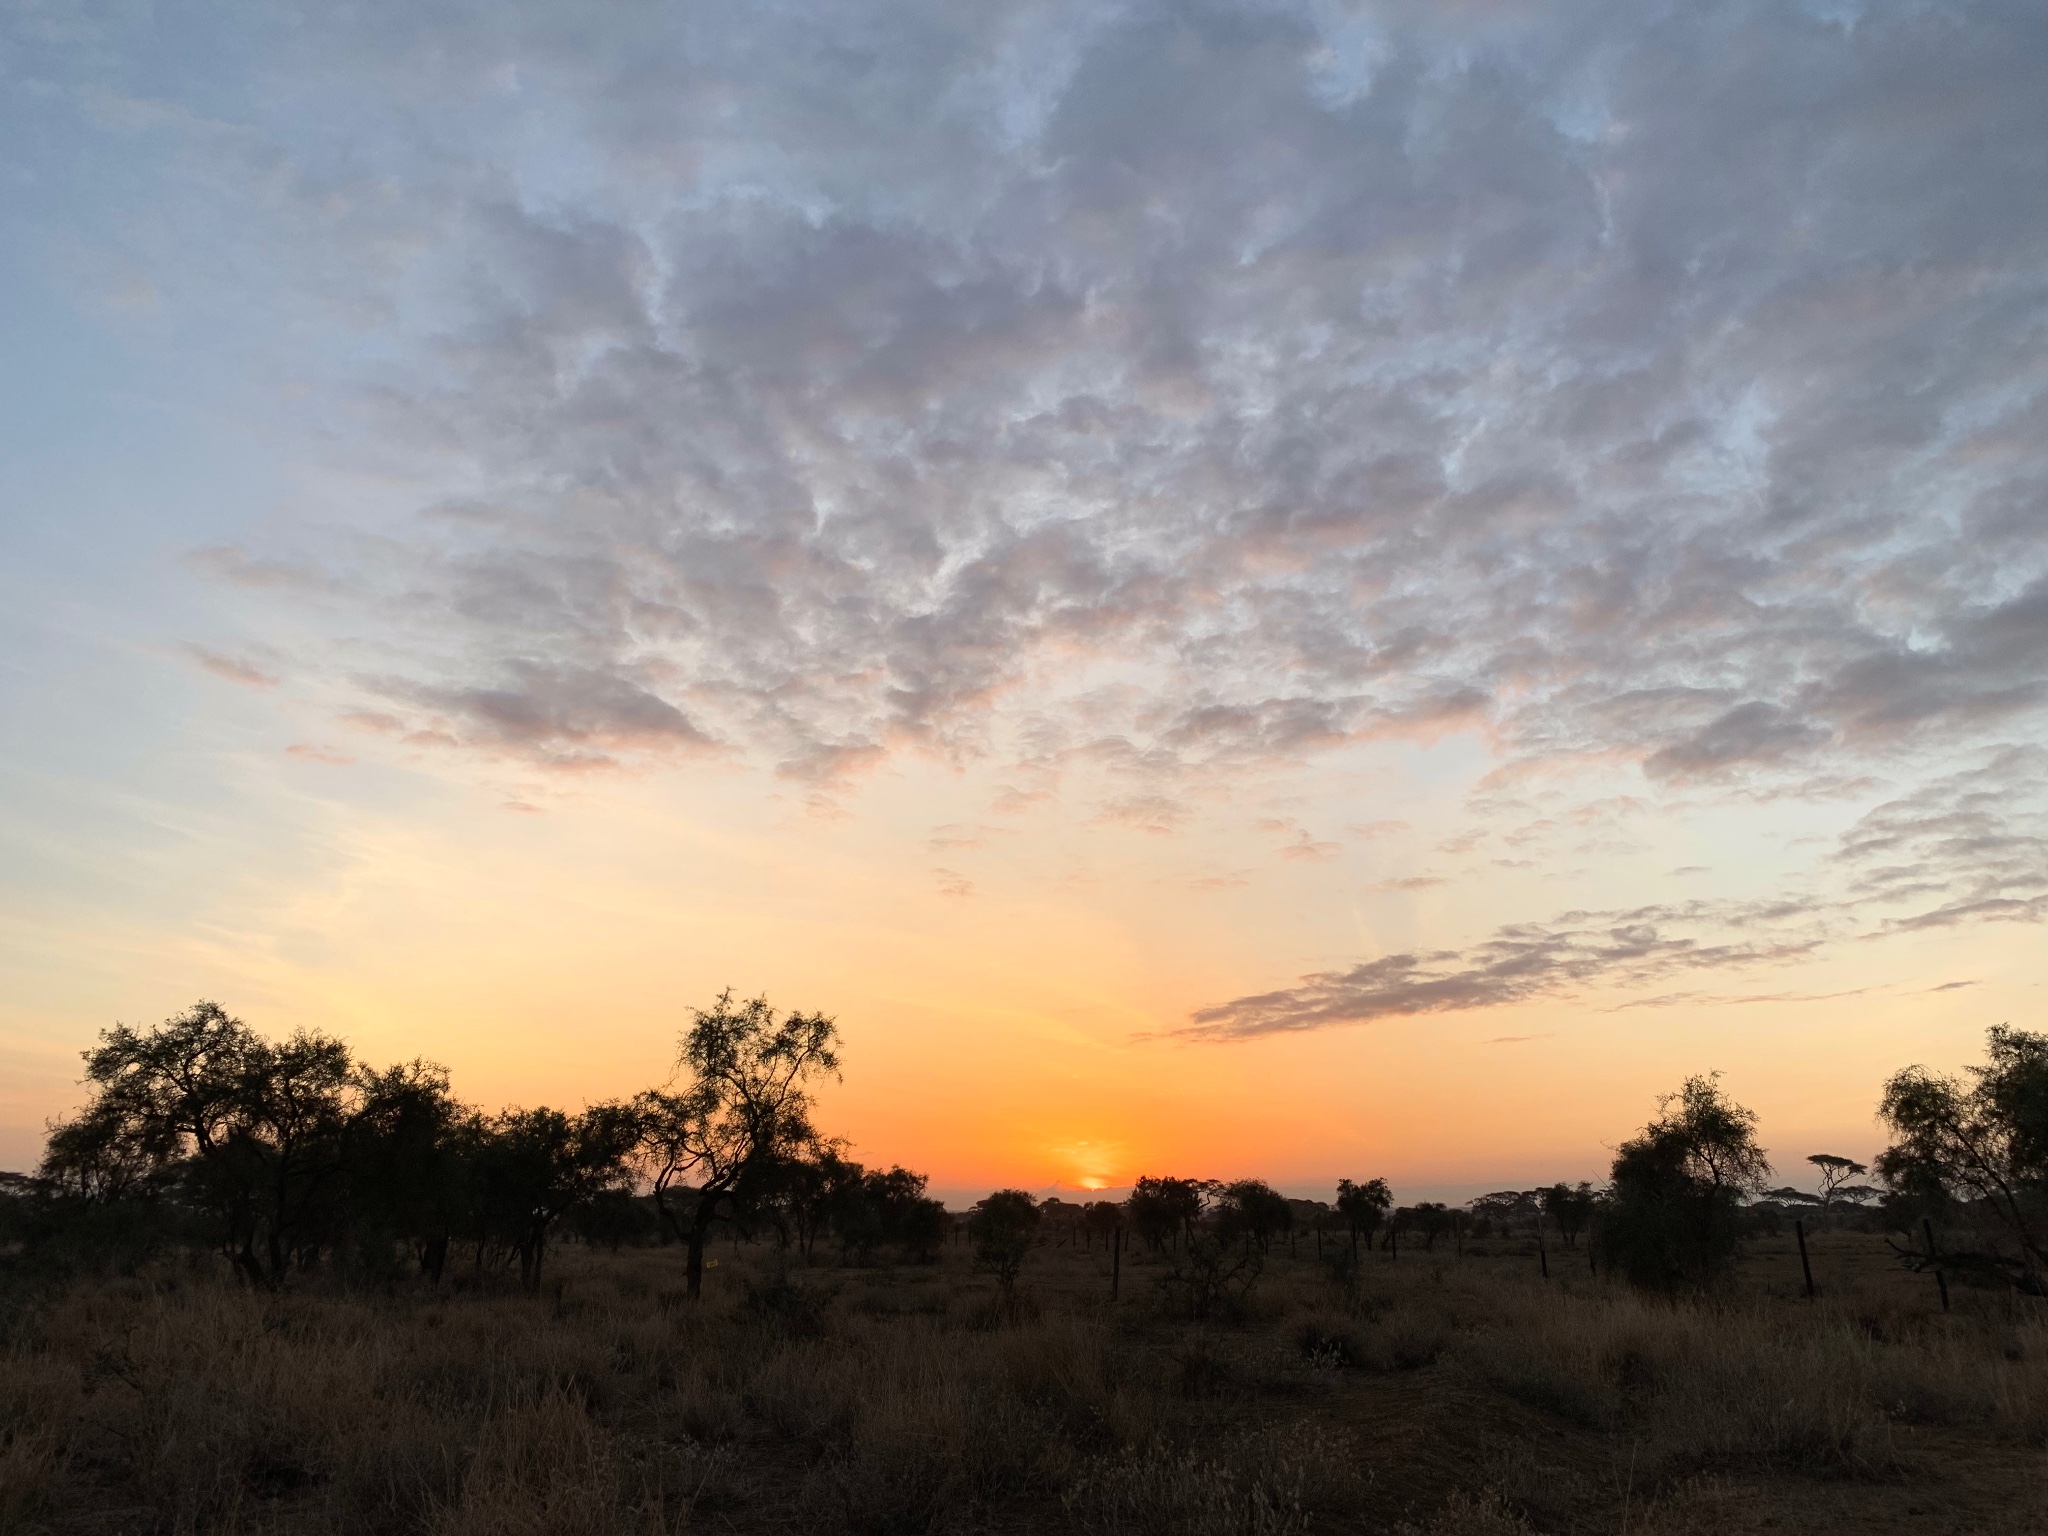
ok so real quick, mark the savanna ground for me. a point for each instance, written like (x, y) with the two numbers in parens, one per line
(1434, 1394)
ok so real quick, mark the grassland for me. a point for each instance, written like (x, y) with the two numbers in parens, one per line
(1437, 1394)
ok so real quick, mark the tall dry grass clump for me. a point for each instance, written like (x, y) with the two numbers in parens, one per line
(1452, 1397)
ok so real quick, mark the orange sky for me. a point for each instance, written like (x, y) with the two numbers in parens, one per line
(1012, 1034)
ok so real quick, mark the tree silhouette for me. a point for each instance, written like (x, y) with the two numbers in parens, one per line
(869, 1208)
(1836, 1174)
(1002, 1228)
(1571, 1207)
(249, 1130)
(1671, 1219)
(1363, 1206)
(1983, 1146)
(1506, 1208)
(1161, 1208)
(407, 1155)
(1101, 1218)
(537, 1165)
(1432, 1218)
(746, 1110)
(1252, 1211)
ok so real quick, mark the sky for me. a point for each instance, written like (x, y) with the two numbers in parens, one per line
(1301, 590)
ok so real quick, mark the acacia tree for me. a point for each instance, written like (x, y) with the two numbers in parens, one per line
(1363, 1206)
(1983, 1146)
(1671, 1217)
(1505, 1208)
(746, 1109)
(869, 1206)
(1836, 1176)
(408, 1154)
(535, 1166)
(1432, 1218)
(282, 1149)
(1162, 1207)
(1571, 1207)
(1003, 1227)
(797, 1194)
(250, 1131)
(1252, 1210)
(1101, 1218)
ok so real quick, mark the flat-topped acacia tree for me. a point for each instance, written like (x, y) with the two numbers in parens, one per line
(745, 1112)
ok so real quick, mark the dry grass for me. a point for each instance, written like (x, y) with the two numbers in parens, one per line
(1431, 1395)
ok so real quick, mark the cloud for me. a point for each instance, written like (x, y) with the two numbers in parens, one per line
(1011, 801)
(312, 752)
(1309, 850)
(231, 564)
(1750, 734)
(1673, 999)
(376, 721)
(233, 669)
(1143, 402)
(960, 835)
(1968, 846)
(1372, 829)
(564, 716)
(1300, 847)
(1239, 383)
(1518, 962)
(1964, 847)
(1156, 814)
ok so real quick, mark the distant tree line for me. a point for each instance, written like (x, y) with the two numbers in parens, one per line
(287, 1156)
(1969, 1153)
(291, 1155)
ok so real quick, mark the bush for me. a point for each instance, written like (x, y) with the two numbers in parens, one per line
(1673, 1214)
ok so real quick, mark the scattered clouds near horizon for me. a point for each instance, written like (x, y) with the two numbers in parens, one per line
(1518, 962)
(1969, 846)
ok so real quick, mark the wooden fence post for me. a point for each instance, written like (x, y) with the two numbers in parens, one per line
(1799, 1228)
(1116, 1263)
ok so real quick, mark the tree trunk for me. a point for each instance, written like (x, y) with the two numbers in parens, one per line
(693, 1269)
(699, 1234)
